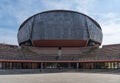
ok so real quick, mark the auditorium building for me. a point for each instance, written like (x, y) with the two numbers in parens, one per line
(60, 39)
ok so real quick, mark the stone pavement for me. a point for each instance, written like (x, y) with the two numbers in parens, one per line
(60, 78)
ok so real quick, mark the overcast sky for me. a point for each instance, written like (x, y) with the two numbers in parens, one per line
(105, 12)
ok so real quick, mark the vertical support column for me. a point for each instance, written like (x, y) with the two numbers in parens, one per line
(108, 65)
(115, 65)
(59, 52)
(41, 68)
(77, 64)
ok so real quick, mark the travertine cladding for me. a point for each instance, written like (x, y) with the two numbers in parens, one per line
(60, 25)
(110, 50)
(45, 50)
(9, 52)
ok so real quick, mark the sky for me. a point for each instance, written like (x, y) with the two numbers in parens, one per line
(14, 12)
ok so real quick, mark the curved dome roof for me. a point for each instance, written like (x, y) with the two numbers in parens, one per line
(60, 11)
(60, 28)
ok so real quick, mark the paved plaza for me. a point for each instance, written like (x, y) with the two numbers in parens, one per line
(60, 78)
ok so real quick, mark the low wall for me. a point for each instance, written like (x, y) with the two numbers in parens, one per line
(38, 71)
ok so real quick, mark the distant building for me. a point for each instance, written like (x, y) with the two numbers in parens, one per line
(59, 39)
(60, 28)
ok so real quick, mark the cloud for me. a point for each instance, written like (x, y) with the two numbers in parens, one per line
(111, 34)
(76, 5)
(20, 9)
(8, 36)
(15, 12)
(84, 6)
(57, 4)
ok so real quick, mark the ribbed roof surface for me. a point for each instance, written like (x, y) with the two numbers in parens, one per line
(60, 11)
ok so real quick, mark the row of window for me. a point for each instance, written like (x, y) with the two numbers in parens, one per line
(60, 65)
